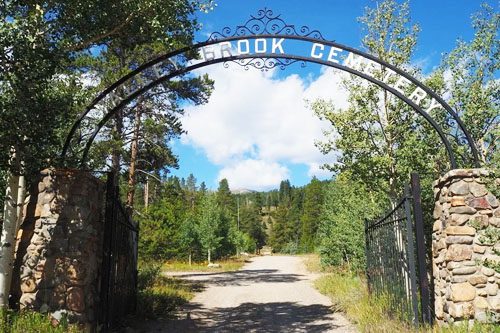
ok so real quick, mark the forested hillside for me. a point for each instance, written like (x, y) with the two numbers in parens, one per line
(181, 219)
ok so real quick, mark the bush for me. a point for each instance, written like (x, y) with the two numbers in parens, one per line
(341, 230)
(290, 248)
(147, 275)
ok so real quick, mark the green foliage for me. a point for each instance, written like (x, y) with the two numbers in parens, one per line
(313, 201)
(341, 231)
(349, 294)
(377, 134)
(290, 248)
(489, 236)
(381, 141)
(183, 220)
(54, 46)
(227, 204)
(28, 321)
(208, 224)
(490, 263)
(160, 296)
(160, 224)
(188, 236)
(281, 234)
(286, 226)
(251, 222)
(473, 85)
(39, 96)
(148, 274)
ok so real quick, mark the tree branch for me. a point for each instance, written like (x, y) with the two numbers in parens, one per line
(85, 44)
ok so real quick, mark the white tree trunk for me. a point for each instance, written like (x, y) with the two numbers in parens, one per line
(7, 240)
(21, 198)
(209, 262)
(146, 193)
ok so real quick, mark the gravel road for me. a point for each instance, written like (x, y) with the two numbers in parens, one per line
(269, 294)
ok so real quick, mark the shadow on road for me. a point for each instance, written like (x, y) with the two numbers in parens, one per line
(243, 277)
(251, 317)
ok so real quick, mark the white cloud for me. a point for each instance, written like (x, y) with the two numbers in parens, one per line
(316, 170)
(254, 174)
(256, 120)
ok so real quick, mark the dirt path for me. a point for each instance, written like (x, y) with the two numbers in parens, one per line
(270, 294)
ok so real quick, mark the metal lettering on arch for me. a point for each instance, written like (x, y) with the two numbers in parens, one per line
(265, 41)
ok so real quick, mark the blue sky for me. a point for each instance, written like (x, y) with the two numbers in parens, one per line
(261, 135)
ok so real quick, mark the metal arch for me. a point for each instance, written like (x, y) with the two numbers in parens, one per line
(209, 42)
(269, 55)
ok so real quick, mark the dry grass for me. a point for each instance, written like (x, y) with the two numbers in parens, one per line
(349, 295)
(313, 265)
(232, 264)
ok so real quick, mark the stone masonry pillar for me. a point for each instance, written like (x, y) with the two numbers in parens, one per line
(59, 255)
(466, 247)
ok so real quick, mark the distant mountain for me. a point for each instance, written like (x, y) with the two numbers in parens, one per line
(242, 191)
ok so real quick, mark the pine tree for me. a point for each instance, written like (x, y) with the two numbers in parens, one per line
(251, 224)
(279, 235)
(203, 187)
(160, 225)
(285, 192)
(310, 219)
(227, 205)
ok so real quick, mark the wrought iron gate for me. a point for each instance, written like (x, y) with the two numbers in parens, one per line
(119, 265)
(395, 250)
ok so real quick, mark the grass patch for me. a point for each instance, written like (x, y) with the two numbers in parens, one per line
(312, 263)
(226, 265)
(349, 294)
(159, 296)
(29, 321)
(162, 299)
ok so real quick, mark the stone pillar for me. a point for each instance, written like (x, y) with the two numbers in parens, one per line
(466, 247)
(59, 255)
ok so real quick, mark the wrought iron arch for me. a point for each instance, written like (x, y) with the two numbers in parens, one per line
(264, 26)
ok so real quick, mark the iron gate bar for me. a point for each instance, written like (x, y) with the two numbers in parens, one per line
(118, 273)
(106, 299)
(390, 258)
(381, 221)
(423, 279)
(127, 223)
(292, 37)
(366, 251)
(184, 70)
(411, 258)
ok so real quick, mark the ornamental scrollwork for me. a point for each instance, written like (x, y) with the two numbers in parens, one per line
(265, 64)
(265, 22)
